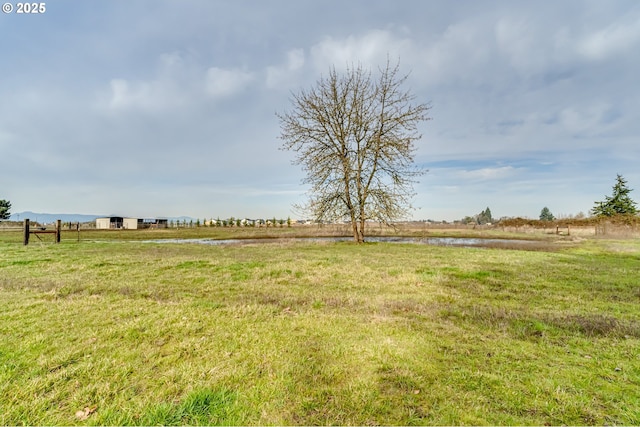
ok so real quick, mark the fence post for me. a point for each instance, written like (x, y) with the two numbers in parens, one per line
(26, 231)
(58, 228)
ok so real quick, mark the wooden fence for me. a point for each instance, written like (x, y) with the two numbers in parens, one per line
(41, 230)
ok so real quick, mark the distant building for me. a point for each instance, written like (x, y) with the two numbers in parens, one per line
(154, 223)
(109, 222)
(118, 222)
(123, 223)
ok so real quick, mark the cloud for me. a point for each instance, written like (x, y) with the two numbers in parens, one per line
(295, 59)
(615, 39)
(437, 59)
(591, 119)
(487, 174)
(180, 82)
(525, 50)
(370, 49)
(5, 137)
(163, 93)
(222, 83)
(170, 88)
(462, 46)
(282, 74)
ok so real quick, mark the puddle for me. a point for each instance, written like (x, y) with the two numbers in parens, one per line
(434, 241)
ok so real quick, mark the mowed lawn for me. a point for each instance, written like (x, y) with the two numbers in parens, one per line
(318, 333)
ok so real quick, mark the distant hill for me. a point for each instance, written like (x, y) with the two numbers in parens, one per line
(46, 218)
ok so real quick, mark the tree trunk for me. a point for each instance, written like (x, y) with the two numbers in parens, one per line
(356, 234)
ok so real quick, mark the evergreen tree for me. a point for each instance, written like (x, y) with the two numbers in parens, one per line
(484, 217)
(5, 206)
(618, 203)
(487, 215)
(546, 215)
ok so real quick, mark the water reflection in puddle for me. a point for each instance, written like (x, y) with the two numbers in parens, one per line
(435, 241)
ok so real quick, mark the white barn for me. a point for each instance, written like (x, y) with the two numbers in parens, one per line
(118, 222)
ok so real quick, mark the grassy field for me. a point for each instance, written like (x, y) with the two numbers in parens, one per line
(111, 330)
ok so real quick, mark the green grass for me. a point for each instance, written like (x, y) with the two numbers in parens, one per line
(126, 333)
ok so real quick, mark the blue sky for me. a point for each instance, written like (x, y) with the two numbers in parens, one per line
(167, 108)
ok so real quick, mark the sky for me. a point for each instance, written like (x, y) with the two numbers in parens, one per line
(162, 108)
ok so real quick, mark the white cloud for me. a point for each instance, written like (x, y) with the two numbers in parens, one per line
(462, 46)
(121, 96)
(172, 87)
(487, 174)
(614, 39)
(179, 83)
(369, 49)
(295, 59)
(517, 40)
(223, 83)
(152, 95)
(277, 75)
(171, 60)
(589, 119)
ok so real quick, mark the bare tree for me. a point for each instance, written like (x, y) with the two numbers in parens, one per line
(354, 137)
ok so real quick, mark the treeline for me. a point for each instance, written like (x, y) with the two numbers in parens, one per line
(231, 222)
(483, 218)
(617, 209)
(621, 219)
